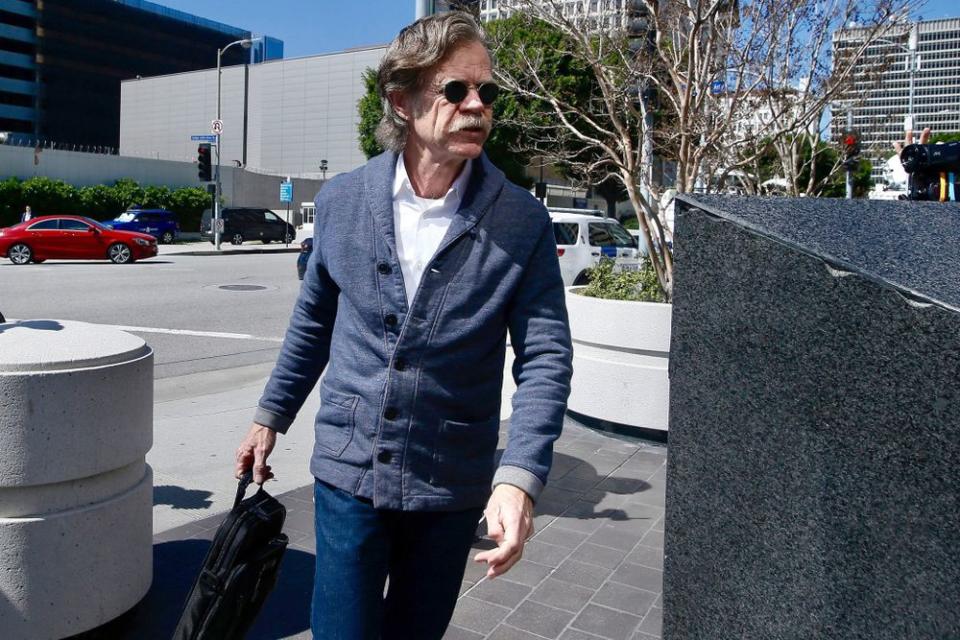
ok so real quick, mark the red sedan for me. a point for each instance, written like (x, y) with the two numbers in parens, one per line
(72, 238)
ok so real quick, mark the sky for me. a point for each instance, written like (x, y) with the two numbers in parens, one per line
(308, 27)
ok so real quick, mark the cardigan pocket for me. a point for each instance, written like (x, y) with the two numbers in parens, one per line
(335, 420)
(464, 452)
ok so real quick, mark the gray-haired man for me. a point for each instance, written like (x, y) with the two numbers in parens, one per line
(424, 260)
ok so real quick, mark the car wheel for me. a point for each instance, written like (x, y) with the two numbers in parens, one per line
(119, 253)
(166, 238)
(236, 239)
(20, 254)
(582, 279)
(288, 239)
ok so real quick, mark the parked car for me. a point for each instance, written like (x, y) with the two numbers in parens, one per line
(73, 238)
(159, 223)
(248, 223)
(306, 248)
(582, 240)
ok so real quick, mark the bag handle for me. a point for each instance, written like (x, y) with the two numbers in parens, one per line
(245, 481)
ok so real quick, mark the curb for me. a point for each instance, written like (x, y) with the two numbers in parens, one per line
(227, 252)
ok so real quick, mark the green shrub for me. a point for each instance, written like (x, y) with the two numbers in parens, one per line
(613, 284)
(188, 203)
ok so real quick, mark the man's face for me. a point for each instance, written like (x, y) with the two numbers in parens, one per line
(448, 130)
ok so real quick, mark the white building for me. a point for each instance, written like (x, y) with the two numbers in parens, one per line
(881, 91)
(281, 117)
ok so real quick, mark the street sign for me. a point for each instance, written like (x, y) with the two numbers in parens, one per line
(286, 192)
(204, 138)
(717, 87)
(217, 127)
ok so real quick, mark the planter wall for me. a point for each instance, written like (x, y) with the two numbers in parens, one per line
(620, 356)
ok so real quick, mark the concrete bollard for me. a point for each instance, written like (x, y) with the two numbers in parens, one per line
(76, 494)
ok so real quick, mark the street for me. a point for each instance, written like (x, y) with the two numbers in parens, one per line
(175, 301)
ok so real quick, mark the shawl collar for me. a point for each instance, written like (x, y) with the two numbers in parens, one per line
(485, 184)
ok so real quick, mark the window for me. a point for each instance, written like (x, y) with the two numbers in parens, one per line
(270, 216)
(308, 214)
(605, 234)
(73, 225)
(565, 232)
(44, 225)
(126, 217)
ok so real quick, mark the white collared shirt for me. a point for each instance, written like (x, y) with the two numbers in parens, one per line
(421, 223)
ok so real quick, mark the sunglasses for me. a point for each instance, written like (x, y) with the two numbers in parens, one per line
(456, 91)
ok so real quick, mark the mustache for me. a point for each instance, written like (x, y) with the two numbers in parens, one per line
(470, 122)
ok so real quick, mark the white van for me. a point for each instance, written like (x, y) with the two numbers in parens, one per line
(582, 240)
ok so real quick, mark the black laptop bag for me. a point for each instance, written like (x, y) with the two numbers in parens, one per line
(239, 571)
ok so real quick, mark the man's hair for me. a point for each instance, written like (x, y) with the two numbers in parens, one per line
(417, 49)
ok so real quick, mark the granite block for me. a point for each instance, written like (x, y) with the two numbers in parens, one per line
(812, 485)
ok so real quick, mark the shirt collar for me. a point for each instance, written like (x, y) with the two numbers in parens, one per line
(401, 181)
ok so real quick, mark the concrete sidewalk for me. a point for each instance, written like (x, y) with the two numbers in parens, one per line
(592, 570)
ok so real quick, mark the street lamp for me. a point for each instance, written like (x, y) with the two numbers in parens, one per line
(912, 64)
(323, 168)
(246, 44)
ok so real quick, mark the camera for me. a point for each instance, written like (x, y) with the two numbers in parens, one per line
(934, 171)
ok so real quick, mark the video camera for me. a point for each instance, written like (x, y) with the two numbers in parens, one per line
(934, 171)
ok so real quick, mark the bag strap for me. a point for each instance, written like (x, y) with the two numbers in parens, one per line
(245, 481)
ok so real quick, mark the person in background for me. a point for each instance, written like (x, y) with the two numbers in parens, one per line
(27, 214)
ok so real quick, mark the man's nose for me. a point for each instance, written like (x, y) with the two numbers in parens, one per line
(472, 103)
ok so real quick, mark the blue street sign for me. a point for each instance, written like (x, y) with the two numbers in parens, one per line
(204, 138)
(717, 87)
(286, 192)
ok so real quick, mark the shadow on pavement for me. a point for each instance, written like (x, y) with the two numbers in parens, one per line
(176, 565)
(40, 325)
(180, 498)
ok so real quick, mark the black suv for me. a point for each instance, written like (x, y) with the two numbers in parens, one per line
(248, 223)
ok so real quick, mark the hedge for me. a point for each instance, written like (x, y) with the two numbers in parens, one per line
(100, 202)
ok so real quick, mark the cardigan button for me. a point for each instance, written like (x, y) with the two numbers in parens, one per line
(390, 413)
(399, 364)
(384, 457)
(384, 269)
(390, 319)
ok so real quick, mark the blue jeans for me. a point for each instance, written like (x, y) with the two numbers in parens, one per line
(423, 553)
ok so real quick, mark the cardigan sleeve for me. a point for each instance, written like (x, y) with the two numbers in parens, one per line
(306, 346)
(540, 336)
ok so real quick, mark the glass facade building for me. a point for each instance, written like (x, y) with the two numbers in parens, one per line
(62, 61)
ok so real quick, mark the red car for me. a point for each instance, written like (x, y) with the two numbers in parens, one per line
(72, 238)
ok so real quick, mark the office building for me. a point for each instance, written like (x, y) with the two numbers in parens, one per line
(923, 54)
(282, 117)
(62, 61)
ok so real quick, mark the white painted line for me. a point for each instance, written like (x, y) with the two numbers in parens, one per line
(199, 334)
(183, 332)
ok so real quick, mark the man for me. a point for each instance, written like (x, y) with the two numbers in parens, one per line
(423, 261)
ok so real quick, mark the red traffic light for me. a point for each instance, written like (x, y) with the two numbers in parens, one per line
(204, 166)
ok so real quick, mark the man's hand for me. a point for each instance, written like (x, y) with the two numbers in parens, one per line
(253, 452)
(509, 516)
(908, 139)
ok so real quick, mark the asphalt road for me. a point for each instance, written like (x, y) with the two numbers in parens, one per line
(174, 302)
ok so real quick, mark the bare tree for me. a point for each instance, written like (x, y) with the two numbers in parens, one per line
(677, 78)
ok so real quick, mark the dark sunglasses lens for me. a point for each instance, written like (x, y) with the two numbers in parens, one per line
(488, 93)
(455, 91)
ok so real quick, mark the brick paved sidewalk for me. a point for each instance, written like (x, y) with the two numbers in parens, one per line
(592, 570)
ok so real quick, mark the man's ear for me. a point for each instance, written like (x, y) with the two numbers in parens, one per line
(400, 104)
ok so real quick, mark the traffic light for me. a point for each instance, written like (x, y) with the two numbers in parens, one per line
(203, 162)
(851, 144)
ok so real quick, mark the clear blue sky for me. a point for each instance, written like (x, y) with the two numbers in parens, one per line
(308, 27)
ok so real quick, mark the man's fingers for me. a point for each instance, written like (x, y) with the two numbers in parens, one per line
(494, 526)
(925, 136)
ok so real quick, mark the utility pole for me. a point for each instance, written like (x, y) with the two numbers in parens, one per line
(847, 162)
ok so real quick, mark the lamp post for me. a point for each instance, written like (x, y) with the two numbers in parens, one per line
(245, 43)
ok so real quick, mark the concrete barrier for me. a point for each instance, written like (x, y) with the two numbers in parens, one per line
(621, 351)
(76, 495)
